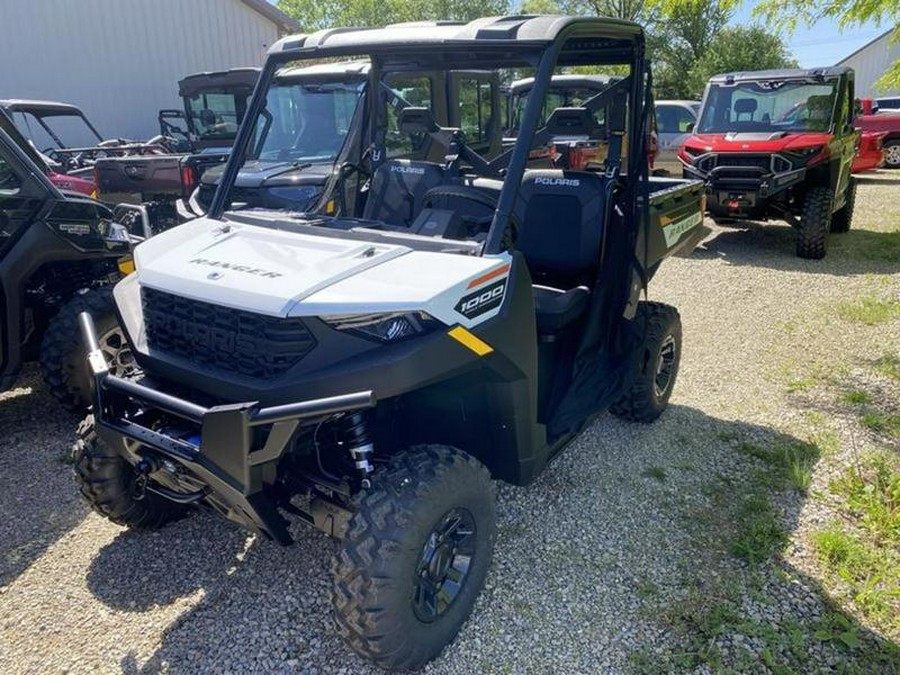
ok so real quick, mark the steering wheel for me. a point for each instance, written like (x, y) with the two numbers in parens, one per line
(468, 193)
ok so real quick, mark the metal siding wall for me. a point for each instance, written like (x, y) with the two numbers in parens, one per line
(120, 60)
(870, 63)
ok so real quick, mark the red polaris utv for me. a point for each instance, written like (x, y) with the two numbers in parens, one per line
(778, 144)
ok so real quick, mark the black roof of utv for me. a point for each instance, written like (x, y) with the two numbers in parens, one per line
(781, 74)
(519, 31)
(40, 108)
(234, 79)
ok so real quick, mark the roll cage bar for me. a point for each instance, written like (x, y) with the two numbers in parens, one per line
(539, 42)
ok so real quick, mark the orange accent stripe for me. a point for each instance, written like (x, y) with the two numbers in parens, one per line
(493, 274)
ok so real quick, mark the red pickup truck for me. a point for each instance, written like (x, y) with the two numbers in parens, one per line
(878, 126)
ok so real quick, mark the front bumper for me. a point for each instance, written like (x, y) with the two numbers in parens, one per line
(232, 450)
(743, 191)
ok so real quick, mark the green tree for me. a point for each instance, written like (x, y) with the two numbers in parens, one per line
(318, 14)
(681, 37)
(847, 14)
(736, 48)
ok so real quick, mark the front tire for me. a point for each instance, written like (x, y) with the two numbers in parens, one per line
(64, 357)
(841, 220)
(815, 221)
(106, 482)
(415, 556)
(657, 366)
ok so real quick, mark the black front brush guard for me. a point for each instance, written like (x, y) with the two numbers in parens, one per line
(226, 461)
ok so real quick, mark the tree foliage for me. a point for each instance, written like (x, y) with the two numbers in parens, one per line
(847, 14)
(318, 14)
(736, 48)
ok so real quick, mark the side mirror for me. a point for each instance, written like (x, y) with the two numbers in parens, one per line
(689, 128)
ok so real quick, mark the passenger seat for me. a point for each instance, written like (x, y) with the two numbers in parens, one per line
(559, 216)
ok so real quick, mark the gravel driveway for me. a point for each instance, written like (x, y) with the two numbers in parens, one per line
(589, 559)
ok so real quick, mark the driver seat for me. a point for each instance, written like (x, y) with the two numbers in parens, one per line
(398, 190)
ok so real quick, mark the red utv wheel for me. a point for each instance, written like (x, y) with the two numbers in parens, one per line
(815, 222)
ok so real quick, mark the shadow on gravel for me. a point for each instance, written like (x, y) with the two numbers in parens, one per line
(884, 177)
(641, 548)
(772, 245)
(38, 500)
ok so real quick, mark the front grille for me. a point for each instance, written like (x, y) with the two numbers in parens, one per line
(223, 338)
(737, 161)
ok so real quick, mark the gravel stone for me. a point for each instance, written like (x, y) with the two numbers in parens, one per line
(585, 557)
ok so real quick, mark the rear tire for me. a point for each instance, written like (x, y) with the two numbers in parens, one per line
(657, 366)
(892, 154)
(64, 356)
(841, 220)
(815, 221)
(106, 481)
(421, 540)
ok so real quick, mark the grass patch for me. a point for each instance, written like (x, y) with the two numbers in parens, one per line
(870, 310)
(655, 472)
(889, 366)
(881, 423)
(760, 533)
(872, 494)
(791, 462)
(870, 572)
(856, 397)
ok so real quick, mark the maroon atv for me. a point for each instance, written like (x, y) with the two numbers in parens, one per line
(778, 144)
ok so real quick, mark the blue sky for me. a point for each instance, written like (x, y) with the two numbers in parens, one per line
(820, 45)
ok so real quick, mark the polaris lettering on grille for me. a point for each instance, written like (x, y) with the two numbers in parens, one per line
(418, 170)
(563, 182)
(246, 269)
(482, 300)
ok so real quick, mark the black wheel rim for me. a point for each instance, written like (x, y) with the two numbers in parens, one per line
(444, 564)
(665, 366)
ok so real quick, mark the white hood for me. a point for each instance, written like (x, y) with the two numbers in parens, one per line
(281, 273)
(251, 267)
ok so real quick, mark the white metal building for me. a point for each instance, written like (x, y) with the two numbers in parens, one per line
(870, 63)
(120, 60)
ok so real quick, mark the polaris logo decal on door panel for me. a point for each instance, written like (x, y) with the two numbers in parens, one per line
(483, 300)
(246, 269)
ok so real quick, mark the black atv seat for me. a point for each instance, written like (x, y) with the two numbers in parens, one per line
(560, 217)
(398, 189)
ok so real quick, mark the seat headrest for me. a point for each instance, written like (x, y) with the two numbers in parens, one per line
(415, 120)
(571, 122)
(745, 106)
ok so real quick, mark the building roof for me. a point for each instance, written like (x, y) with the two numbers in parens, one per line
(285, 23)
(865, 46)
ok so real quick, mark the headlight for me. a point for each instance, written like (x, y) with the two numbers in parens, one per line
(385, 327)
(806, 153)
(693, 152)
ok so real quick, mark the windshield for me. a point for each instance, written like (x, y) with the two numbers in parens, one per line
(72, 131)
(772, 106)
(306, 121)
(215, 115)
